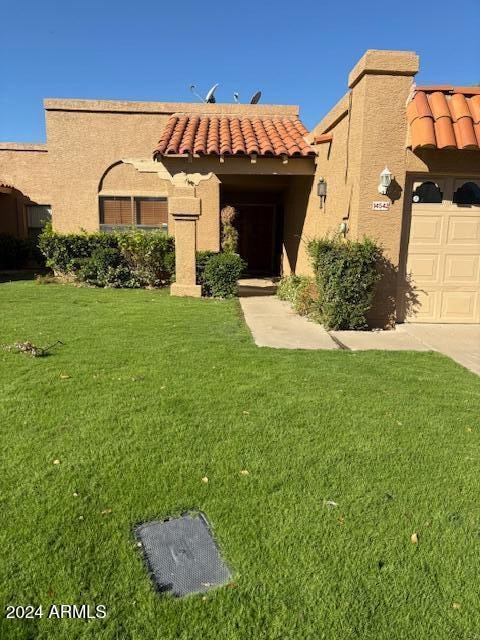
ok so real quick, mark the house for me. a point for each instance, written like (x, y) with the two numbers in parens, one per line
(394, 161)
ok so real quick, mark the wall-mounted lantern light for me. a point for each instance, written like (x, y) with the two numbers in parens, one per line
(322, 191)
(385, 181)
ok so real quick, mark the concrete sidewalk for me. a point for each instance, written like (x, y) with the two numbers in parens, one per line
(274, 324)
(461, 342)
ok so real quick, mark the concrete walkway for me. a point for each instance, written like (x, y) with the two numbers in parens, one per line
(461, 342)
(274, 324)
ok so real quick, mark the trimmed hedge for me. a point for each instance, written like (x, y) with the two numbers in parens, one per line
(130, 259)
(346, 274)
(133, 259)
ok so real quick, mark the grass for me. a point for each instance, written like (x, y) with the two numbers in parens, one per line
(150, 393)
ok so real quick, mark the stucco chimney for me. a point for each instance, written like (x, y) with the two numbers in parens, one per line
(388, 63)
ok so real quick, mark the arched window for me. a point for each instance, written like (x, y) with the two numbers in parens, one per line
(427, 192)
(467, 194)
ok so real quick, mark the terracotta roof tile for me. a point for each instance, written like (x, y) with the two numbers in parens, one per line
(217, 135)
(442, 117)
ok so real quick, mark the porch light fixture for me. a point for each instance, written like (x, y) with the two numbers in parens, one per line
(322, 191)
(385, 181)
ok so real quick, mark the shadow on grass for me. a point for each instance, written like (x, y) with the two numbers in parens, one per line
(25, 274)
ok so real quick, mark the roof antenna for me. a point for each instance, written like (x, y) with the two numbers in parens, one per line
(193, 90)
(236, 96)
(256, 97)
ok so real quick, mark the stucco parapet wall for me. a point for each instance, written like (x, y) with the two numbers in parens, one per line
(333, 117)
(185, 207)
(168, 108)
(378, 62)
(23, 146)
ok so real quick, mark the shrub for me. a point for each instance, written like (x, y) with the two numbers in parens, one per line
(202, 258)
(221, 274)
(301, 292)
(149, 255)
(64, 252)
(346, 275)
(131, 258)
(14, 252)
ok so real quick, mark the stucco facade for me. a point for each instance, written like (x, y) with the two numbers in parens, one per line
(103, 149)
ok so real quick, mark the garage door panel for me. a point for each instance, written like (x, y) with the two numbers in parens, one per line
(464, 230)
(443, 260)
(462, 269)
(459, 306)
(427, 304)
(425, 267)
(426, 229)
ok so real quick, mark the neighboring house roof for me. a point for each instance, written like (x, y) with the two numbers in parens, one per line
(218, 135)
(442, 117)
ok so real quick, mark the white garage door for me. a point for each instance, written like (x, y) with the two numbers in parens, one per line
(444, 250)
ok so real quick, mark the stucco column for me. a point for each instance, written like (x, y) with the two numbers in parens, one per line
(185, 212)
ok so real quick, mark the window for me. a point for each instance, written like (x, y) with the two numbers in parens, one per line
(427, 192)
(467, 194)
(117, 212)
(152, 212)
(37, 217)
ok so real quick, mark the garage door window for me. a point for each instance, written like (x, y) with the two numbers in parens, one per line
(467, 194)
(427, 192)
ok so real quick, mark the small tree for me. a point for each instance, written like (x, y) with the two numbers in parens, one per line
(229, 233)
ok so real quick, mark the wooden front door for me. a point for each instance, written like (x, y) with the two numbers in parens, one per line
(256, 237)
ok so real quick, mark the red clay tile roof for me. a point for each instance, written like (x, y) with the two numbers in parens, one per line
(218, 135)
(442, 117)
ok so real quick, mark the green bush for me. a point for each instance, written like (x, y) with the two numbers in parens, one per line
(64, 253)
(148, 255)
(202, 258)
(14, 252)
(346, 274)
(301, 292)
(221, 274)
(131, 258)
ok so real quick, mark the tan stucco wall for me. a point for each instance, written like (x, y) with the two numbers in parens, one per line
(82, 146)
(369, 129)
(25, 167)
(87, 139)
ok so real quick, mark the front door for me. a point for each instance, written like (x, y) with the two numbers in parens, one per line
(255, 224)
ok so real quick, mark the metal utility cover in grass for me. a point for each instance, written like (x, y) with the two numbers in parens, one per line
(182, 556)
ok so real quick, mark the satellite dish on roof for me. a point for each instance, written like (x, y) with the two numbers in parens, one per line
(256, 97)
(210, 97)
(236, 96)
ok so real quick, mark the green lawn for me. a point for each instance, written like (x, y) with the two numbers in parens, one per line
(149, 394)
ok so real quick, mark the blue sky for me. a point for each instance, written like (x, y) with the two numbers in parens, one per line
(296, 52)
